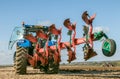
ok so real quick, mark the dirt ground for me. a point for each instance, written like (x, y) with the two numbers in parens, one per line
(66, 72)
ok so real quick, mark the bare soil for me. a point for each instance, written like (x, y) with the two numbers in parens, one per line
(66, 72)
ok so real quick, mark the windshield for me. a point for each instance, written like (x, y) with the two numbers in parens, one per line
(16, 34)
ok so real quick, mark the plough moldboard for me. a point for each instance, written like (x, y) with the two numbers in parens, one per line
(45, 54)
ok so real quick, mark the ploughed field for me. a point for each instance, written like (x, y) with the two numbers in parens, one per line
(66, 72)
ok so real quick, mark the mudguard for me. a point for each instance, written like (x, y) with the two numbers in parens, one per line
(24, 43)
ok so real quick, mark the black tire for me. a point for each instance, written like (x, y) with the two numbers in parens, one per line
(14, 56)
(52, 68)
(112, 47)
(20, 60)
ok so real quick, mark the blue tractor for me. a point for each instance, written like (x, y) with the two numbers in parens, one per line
(24, 46)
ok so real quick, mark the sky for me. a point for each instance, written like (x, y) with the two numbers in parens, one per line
(47, 12)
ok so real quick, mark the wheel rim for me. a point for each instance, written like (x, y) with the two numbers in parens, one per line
(107, 48)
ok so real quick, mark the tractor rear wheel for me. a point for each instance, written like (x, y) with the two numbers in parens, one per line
(52, 67)
(109, 47)
(20, 60)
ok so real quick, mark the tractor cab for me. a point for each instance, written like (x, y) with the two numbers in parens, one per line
(17, 34)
